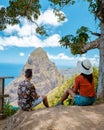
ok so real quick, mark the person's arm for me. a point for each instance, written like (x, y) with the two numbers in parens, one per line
(34, 93)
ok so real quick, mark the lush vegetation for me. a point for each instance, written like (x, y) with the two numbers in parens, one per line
(9, 110)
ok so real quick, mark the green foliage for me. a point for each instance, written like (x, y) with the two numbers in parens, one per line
(2, 18)
(55, 1)
(24, 8)
(9, 110)
(62, 3)
(55, 95)
(59, 14)
(40, 30)
(75, 43)
(94, 6)
(96, 77)
(17, 9)
(64, 41)
(99, 100)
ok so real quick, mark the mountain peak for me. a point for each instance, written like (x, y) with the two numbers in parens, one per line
(39, 55)
(45, 74)
(39, 52)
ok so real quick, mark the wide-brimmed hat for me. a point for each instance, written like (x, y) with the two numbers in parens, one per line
(84, 67)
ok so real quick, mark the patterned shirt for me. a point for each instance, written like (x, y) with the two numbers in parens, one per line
(26, 94)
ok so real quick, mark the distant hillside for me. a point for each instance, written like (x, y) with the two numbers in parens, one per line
(46, 76)
(68, 72)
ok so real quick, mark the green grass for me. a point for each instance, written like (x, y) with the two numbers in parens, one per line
(9, 110)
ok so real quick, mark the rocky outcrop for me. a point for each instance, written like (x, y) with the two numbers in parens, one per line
(45, 74)
(58, 118)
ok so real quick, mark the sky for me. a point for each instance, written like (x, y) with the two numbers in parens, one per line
(18, 42)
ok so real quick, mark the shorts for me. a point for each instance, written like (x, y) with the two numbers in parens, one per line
(83, 101)
(37, 101)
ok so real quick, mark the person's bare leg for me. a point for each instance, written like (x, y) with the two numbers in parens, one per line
(68, 92)
(45, 101)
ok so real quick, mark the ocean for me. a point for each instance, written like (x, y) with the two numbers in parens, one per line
(12, 70)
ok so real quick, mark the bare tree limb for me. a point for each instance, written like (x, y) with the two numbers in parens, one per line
(91, 45)
(96, 34)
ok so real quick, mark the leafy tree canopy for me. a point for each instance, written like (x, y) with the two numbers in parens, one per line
(30, 9)
(76, 42)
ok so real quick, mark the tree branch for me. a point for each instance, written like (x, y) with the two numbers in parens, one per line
(91, 45)
(96, 34)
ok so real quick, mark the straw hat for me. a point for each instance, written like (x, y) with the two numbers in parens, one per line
(84, 67)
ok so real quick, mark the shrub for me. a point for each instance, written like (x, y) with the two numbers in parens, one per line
(9, 110)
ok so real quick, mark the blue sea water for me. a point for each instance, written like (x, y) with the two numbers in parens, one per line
(12, 70)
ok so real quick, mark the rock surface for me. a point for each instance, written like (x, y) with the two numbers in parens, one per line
(45, 75)
(57, 118)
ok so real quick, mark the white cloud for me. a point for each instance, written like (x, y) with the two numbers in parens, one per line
(31, 41)
(25, 35)
(48, 17)
(52, 41)
(11, 29)
(60, 56)
(21, 53)
(1, 48)
(20, 31)
(66, 60)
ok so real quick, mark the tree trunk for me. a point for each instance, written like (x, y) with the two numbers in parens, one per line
(100, 90)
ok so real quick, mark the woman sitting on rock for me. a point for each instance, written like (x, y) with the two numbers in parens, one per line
(83, 89)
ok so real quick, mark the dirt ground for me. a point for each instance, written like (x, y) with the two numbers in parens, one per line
(57, 118)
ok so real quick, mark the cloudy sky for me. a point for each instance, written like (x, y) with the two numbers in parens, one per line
(17, 42)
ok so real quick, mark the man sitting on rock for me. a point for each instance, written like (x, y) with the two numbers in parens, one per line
(27, 95)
